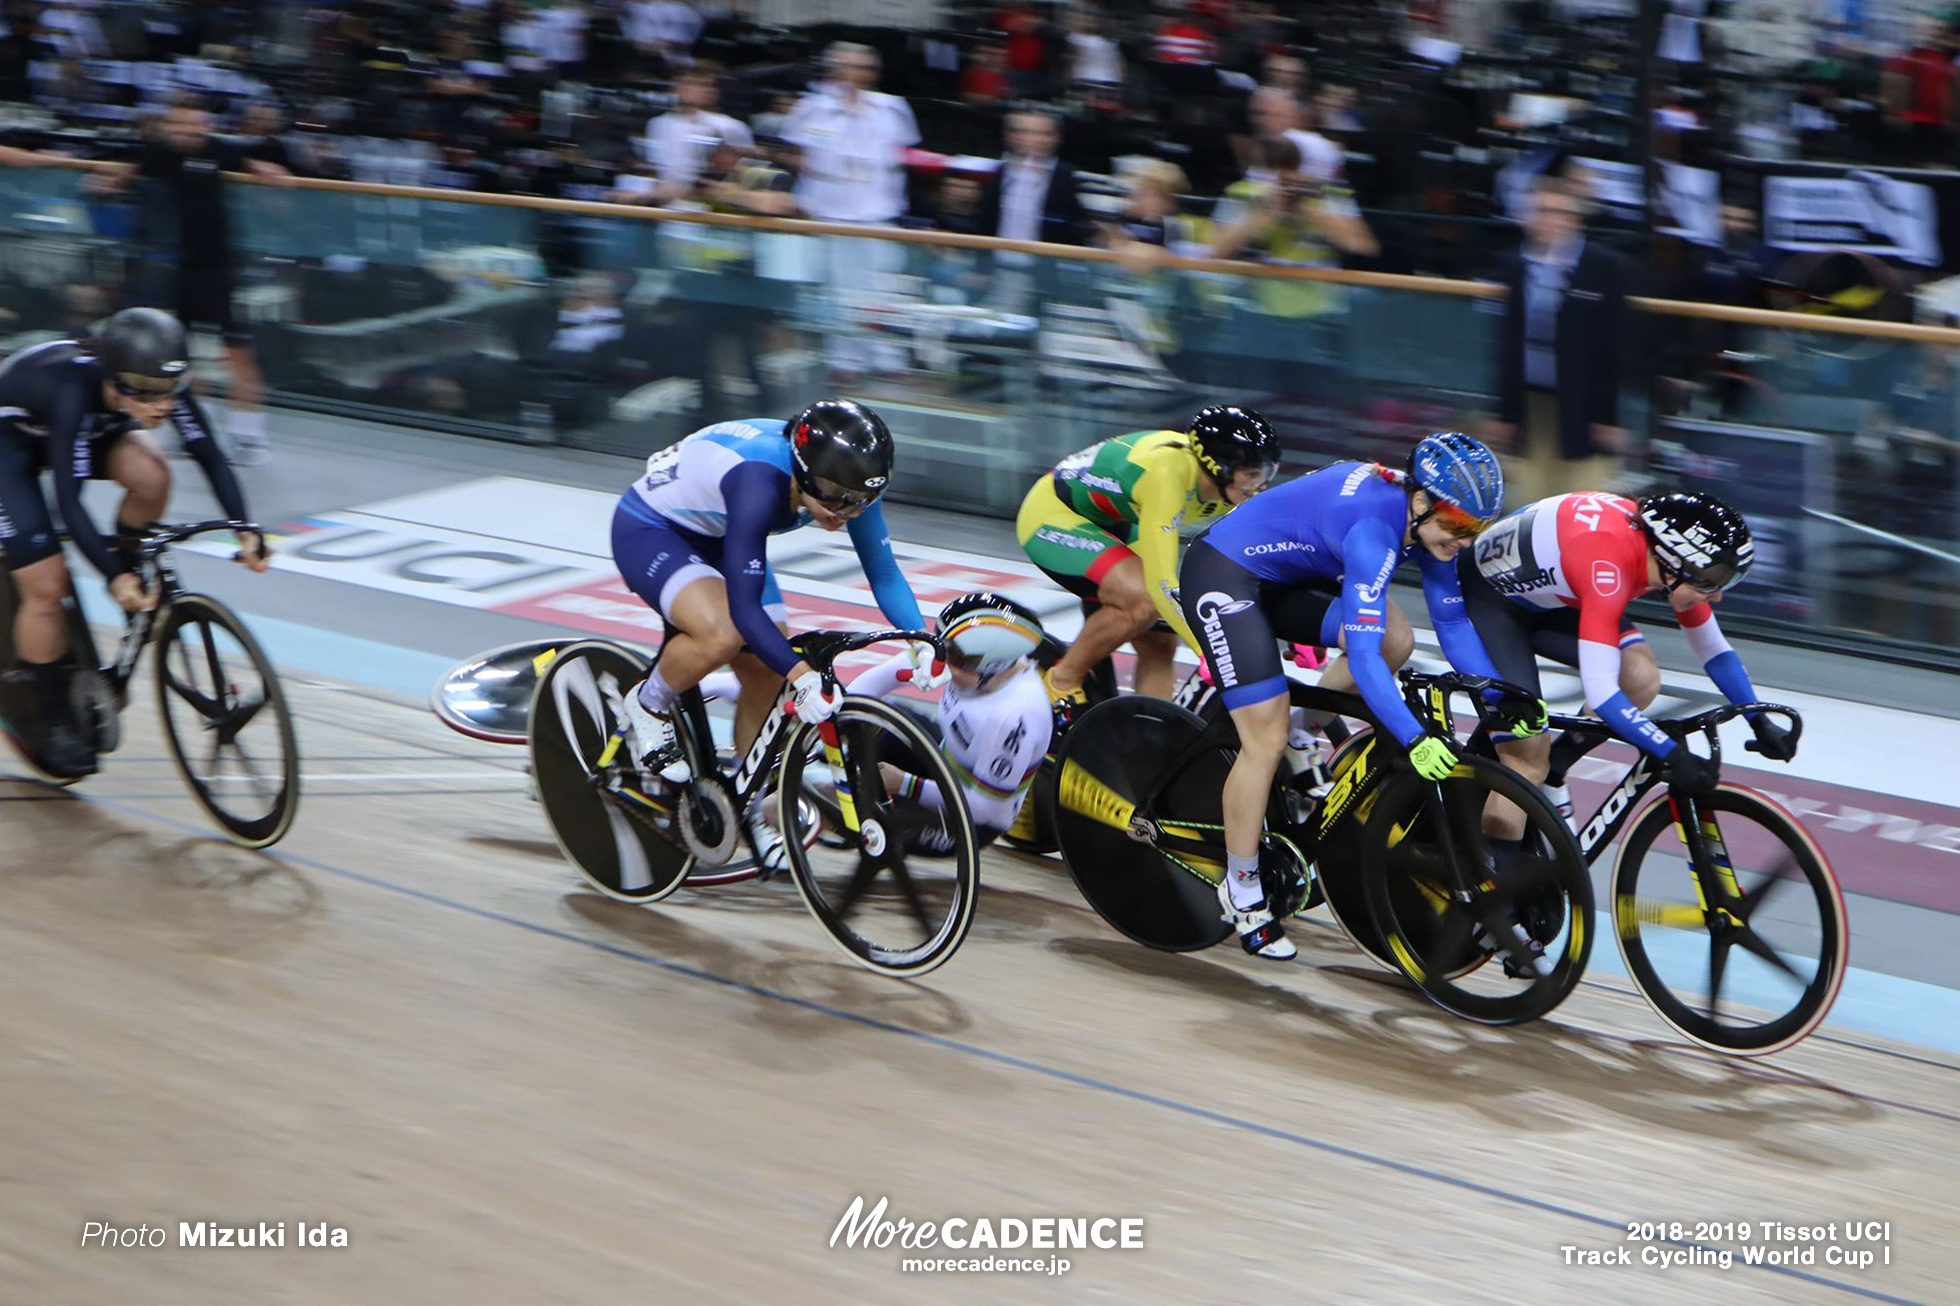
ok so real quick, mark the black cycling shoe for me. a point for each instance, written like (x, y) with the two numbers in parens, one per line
(63, 752)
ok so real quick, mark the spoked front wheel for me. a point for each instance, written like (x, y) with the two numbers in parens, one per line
(225, 717)
(1445, 897)
(897, 887)
(1745, 954)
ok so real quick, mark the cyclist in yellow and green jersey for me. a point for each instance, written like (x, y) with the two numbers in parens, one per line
(1106, 524)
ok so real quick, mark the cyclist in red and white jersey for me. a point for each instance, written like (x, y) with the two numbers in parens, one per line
(1555, 579)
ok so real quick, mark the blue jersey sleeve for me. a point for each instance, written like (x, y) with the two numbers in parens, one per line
(755, 494)
(873, 542)
(1444, 594)
(1370, 554)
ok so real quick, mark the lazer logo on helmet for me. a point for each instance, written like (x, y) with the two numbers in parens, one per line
(874, 482)
(1212, 608)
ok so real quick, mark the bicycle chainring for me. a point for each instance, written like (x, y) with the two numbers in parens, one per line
(709, 826)
(95, 709)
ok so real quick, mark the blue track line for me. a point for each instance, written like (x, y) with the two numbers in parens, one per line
(1055, 1073)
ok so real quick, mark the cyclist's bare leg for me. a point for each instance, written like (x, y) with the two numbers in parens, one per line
(760, 689)
(138, 466)
(1640, 674)
(1398, 642)
(705, 638)
(247, 390)
(1640, 681)
(1531, 759)
(1125, 613)
(1262, 738)
(1156, 663)
(39, 588)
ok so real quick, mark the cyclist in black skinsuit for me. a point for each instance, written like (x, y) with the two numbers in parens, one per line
(78, 408)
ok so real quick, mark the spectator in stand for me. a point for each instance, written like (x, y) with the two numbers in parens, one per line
(1276, 114)
(1918, 92)
(563, 30)
(854, 140)
(1034, 195)
(678, 142)
(183, 165)
(1182, 40)
(1095, 62)
(983, 82)
(1281, 214)
(662, 29)
(1560, 349)
(1026, 26)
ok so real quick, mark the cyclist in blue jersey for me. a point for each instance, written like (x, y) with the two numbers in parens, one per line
(689, 537)
(1310, 562)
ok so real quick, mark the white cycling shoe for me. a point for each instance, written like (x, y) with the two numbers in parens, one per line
(1259, 933)
(771, 858)
(652, 738)
(1560, 797)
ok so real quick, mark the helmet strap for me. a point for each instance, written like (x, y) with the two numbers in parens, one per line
(1425, 514)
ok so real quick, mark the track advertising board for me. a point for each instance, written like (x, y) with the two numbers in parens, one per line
(1769, 475)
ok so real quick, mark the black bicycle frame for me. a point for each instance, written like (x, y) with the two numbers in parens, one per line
(821, 650)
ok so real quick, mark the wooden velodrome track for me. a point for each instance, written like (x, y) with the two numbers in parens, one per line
(411, 1021)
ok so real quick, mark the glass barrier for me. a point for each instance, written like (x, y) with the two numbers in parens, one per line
(624, 333)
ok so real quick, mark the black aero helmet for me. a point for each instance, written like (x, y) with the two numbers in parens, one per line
(842, 452)
(987, 633)
(1698, 540)
(1227, 437)
(144, 352)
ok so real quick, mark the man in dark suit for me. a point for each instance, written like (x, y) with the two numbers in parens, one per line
(1560, 350)
(1034, 195)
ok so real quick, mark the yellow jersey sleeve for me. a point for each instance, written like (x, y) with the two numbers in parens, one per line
(1169, 476)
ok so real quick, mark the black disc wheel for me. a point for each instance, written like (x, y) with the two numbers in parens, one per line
(618, 828)
(1747, 956)
(1158, 885)
(1033, 830)
(896, 882)
(226, 720)
(1445, 898)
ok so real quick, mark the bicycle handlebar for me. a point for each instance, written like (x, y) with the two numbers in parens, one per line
(822, 648)
(1681, 728)
(1490, 714)
(160, 536)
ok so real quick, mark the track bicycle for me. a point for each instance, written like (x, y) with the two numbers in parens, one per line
(1404, 863)
(1728, 915)
(225, 716)
(638, 833)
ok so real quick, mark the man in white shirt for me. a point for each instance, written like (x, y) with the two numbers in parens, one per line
(854, 140)
(665, 29)
(676, 142)
(1275, 112)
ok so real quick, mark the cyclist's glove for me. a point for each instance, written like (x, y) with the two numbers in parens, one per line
(928, 672)
(812, 703)
(1525, 717)
(1690, 772)
(1772, 740)
(1433, 758)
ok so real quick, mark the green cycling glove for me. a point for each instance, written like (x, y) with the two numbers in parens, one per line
(1433, 758)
